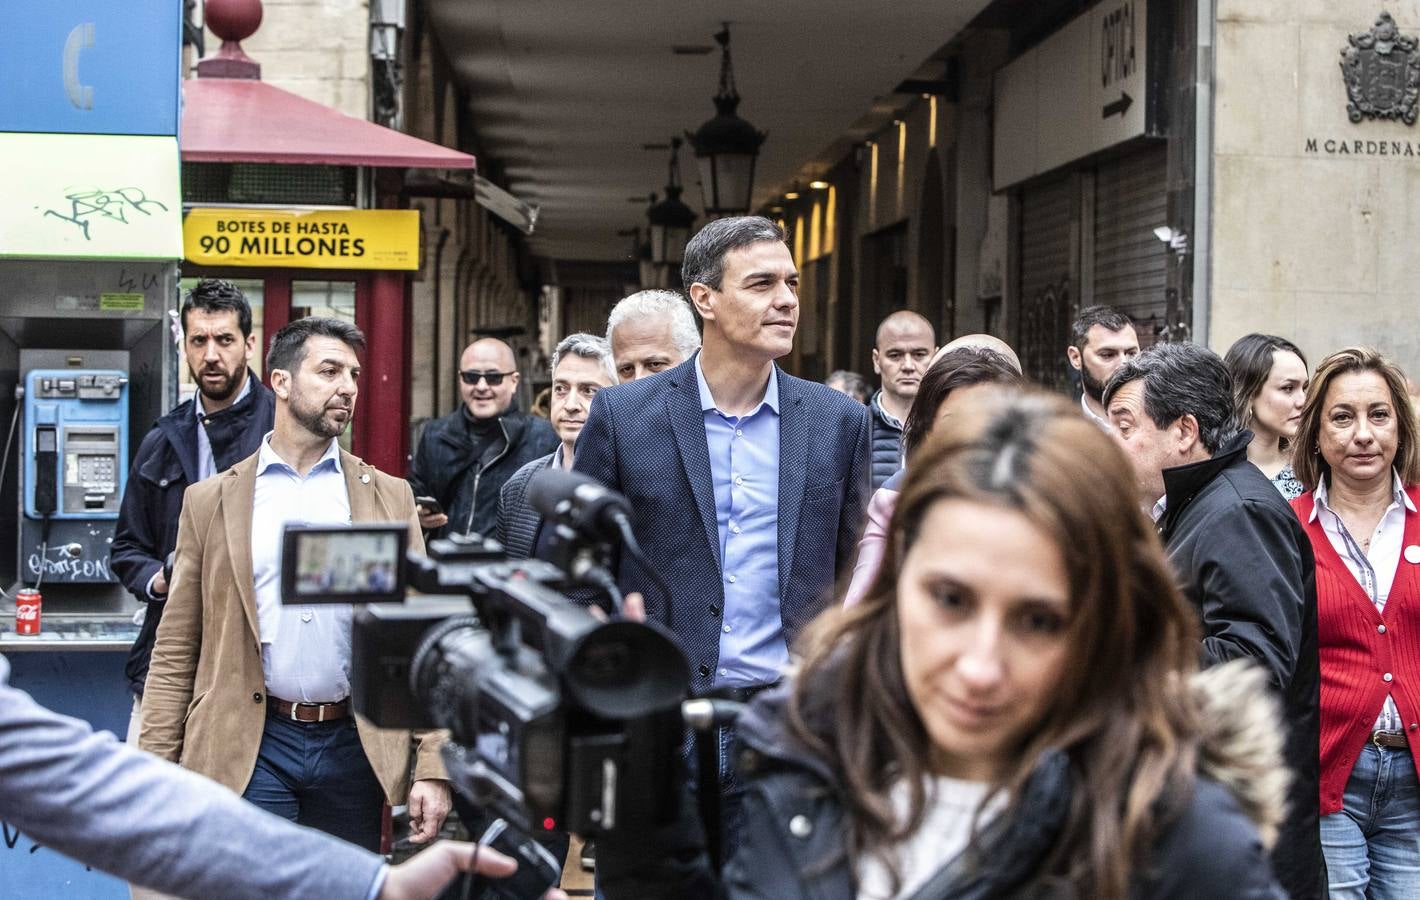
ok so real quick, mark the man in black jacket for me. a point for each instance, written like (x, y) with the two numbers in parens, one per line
(1240, 551)
(466, 457)
(902, 352)
(221, 425)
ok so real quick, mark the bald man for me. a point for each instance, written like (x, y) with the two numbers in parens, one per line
(466, 457)
(901, 354)
(982, 342)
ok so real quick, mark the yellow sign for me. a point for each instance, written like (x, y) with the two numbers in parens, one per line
(312, 239)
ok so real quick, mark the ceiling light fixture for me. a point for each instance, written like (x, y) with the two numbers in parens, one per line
(726, 146)
(671, 220)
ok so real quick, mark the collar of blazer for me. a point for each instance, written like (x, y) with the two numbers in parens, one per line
(238, 497)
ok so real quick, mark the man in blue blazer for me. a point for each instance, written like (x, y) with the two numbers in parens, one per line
(748, 485)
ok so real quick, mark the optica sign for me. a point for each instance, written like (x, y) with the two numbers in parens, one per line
(303, 239)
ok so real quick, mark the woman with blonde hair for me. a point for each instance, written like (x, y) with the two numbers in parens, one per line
(1358, 453)
(1012, 710)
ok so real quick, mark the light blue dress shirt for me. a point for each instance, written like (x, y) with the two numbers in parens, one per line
(305, 650)
(206, 465)
(744, 466)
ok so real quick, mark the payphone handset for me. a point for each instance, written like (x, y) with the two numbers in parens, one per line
(75, 442)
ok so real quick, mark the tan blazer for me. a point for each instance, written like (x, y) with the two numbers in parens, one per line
(204, 705)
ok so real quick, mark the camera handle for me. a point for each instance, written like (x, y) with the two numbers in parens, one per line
(706, 716)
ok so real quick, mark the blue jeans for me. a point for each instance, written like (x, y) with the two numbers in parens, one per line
(1372, 845)
(317, 774)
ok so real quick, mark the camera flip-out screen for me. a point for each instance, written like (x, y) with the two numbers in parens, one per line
(343, 564)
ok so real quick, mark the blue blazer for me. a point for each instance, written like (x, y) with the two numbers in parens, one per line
(646, 439)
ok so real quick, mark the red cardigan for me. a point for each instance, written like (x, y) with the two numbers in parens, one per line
(1358, 646)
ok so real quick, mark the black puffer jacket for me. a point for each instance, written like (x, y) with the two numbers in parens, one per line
(1247, 565)
(466, 485)
(887, 442)
(163, 467)
(791, 845)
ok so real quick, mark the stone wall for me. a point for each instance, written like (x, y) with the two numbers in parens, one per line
(318, 49)
(1314, 219)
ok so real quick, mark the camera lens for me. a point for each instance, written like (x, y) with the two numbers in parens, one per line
(625, 670)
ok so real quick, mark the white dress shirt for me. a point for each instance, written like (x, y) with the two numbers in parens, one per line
(305, 650)
(1373, 568)
(1090, 414)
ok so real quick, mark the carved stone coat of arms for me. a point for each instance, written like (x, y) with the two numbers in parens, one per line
(1382, 72)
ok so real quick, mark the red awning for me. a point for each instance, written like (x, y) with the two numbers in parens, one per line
(249, 121)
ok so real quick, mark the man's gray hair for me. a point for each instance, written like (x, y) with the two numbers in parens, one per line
(705, 254)
(1180, 380)
(659, 304)
(587, 346)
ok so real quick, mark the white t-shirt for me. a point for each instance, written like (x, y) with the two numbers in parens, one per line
(943, 835)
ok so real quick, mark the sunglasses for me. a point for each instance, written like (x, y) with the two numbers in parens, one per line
(494, 379)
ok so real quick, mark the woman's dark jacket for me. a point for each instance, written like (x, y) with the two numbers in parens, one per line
(1247, 566)
(791, 842)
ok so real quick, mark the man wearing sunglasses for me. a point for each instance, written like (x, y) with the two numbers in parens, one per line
(466, 457)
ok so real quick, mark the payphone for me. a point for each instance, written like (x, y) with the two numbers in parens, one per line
(74, 452)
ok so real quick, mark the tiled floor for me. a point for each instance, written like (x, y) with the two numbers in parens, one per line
(576, 882)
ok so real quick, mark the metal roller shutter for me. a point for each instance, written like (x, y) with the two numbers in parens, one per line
(1045, 309)
(1130, 263)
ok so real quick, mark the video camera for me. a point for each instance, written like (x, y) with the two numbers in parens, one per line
(558, 719)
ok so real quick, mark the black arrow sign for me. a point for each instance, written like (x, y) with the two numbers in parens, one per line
(1120, 106)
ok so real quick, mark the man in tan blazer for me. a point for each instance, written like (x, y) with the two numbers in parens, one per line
(255, 695)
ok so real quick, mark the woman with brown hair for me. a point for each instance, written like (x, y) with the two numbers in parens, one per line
(1269, 389)
(1358, 452)
(1010, 711)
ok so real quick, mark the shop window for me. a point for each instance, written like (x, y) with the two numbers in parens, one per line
(332, 299)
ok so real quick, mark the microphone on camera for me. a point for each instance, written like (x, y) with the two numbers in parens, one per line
(581, 503)
(592, 510)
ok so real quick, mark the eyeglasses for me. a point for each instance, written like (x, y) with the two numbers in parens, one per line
(470, 377)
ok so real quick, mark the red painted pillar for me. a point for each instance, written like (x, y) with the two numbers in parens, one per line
(275, 310)
(381, 417)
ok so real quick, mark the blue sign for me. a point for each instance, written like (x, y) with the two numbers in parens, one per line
(90, 66)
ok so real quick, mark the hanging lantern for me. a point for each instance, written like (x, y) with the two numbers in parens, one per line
(648, 271)
(726, 147)
(671, 220)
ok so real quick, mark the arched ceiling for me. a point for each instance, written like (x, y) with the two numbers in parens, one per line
(563, 94)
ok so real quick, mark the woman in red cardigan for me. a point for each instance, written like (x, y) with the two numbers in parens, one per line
(1358, 453)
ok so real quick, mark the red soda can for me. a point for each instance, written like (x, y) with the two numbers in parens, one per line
(27, 609)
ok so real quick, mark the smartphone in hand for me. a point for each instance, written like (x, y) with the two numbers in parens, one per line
(538, 869)
(430, 505)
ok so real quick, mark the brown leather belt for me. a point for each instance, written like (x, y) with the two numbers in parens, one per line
(1395, 740)
(309, 712)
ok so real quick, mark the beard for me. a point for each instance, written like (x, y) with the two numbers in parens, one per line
(223, 389)
(1092, 385)
(319, 421)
